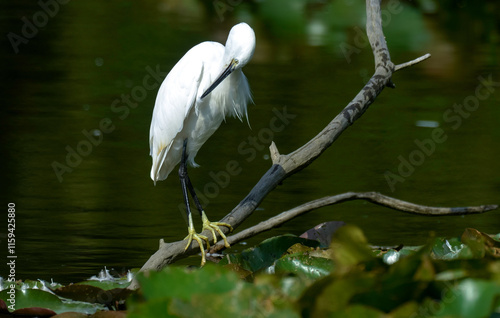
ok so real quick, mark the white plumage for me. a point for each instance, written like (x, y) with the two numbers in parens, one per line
(205, 86)
(180, 113)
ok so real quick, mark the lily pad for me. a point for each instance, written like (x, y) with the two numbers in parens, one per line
(450, 249)
(92, 294)
(309, 266)
(264, 254)
(30, 298)
(105, 285)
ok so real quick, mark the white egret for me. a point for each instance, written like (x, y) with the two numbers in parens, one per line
(201, 89)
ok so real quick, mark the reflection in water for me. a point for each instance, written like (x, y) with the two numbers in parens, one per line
(80, 93)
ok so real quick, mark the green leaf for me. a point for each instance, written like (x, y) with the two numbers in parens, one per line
(37, 298)
(293, 286)
(356, 311)
(32, 298)
(264, 254)
(211, 291)
(105, 285)
(183, 284)
(471, 298)
(152, 309)
(451, 274)
(480, 243)
(309, 266)
(408, 309)
(399, 283)
(317, 300)
(349, 247)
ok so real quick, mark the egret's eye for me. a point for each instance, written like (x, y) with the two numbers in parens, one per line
(236, 61)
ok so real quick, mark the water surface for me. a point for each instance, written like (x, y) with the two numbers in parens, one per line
(83, 75)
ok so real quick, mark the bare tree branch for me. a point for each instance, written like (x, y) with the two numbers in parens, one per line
(286, 165)
(410, 63)
(373, 197)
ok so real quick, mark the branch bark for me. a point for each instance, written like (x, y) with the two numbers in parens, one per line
(410, 63)
(285, 165)
(373, 197)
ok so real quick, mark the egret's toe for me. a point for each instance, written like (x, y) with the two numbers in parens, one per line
(215, 227)
(192, 235)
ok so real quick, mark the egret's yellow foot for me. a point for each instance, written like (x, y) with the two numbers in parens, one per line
(214, 227)
(198, 238)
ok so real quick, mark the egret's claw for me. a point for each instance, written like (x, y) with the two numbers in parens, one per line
(198, 238)
(214, 227)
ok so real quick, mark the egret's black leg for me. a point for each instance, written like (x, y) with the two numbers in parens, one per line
(185, 185)
(211, 226)
(187, 182)
(184, 180)
(194, 196)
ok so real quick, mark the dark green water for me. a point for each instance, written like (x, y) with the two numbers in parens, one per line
(88, 71)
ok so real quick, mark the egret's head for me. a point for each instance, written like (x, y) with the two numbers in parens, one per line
(240, 46)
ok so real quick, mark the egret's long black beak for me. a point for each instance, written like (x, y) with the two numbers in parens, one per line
(221, 77)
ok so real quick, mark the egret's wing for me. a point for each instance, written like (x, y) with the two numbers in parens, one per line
(176, 97)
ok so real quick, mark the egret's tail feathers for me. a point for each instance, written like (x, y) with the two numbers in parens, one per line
(158, 161)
